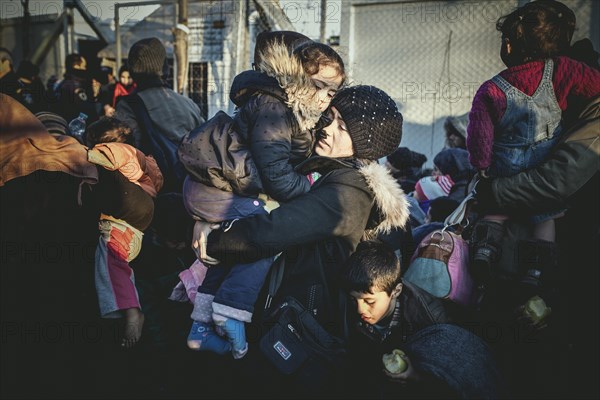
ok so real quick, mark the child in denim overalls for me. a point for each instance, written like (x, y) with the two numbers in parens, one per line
(516, 117)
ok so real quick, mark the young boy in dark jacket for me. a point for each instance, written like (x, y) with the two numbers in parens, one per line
(440, 360)
(390, 311)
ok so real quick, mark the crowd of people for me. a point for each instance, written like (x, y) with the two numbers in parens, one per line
(150, 255)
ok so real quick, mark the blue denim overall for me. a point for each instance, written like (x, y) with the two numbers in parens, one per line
(529, 129)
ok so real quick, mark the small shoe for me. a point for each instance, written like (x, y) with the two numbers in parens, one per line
(237, 354)
(236, 334)
(532, 278)
(203, 337)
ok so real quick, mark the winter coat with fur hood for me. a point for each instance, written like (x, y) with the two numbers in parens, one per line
(318, 231)
(275, 115)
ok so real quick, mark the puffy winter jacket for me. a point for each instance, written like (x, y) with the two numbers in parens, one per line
(275, 115)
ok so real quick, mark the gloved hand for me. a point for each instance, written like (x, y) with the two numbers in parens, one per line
(199, 240)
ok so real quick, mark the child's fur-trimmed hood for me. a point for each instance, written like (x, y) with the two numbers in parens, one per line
(277, 63)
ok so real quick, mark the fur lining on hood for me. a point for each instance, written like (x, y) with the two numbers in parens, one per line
(389, 198)
(277, 63)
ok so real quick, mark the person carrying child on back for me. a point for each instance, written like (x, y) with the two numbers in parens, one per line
(279, 104)
(516, 119)
(121, 226)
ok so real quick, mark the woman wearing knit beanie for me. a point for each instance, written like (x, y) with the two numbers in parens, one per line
(355, 198)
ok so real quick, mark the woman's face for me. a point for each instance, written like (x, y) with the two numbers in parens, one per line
(456, 141)
(125, 78)
(337, 142)
(327, 81)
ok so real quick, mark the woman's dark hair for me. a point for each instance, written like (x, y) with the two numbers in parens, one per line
(107, 130)
(73, 60)
(539, 30)
(124, 68)
(314, 54)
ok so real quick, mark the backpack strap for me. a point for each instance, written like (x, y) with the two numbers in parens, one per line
(461, 213)
(275, 278)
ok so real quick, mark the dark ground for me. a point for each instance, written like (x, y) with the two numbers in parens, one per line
(54, 345)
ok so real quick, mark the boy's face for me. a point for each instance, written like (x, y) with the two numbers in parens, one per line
(376, 305)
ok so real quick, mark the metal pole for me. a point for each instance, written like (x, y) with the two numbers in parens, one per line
(117, 38)
(323, 24)
(26, 22)
(74, 44)
(175, 64)
(66, 33)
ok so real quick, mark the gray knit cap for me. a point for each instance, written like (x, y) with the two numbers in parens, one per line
(147, 57)
(372, 118)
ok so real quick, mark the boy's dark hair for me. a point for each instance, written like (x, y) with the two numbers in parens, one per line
(314, 54)
(372, 265)
(441, 207)
(107, 130)
(539, 30)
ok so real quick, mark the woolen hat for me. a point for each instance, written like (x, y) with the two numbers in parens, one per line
(372, 118)
(54, 123)
(147, 57)
(404, 159)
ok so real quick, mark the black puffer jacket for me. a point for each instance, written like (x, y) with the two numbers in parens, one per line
(275, 115)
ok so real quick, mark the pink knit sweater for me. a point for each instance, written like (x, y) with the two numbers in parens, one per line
(570, 78)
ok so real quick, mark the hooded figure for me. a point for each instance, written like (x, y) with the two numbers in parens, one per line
(455, 162)
(456, 131)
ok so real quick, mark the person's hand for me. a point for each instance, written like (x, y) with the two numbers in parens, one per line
(409, 375)
(533, 315)
(199, 240)
(109, 111)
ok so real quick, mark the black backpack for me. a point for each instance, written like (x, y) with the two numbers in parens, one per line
(296, 344)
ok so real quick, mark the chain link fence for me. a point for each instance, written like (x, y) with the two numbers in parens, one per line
(432, 56)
